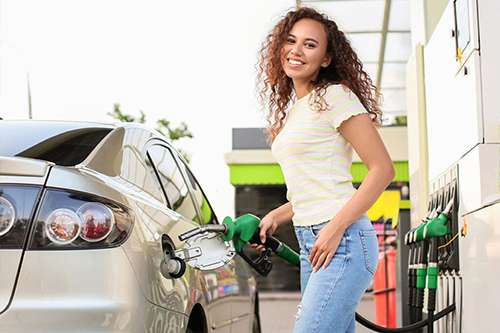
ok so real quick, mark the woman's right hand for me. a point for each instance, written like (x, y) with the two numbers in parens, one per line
(268, 226)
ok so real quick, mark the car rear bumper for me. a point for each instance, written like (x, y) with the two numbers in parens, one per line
(83, 291)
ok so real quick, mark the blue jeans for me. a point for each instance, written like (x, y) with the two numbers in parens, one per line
(330, 296)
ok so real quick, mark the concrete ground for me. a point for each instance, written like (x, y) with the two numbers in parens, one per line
(277, 311)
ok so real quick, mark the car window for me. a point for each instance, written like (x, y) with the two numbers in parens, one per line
(207, 214)
(135, 168)
(62, 146)
(172, 181)
(139, 172)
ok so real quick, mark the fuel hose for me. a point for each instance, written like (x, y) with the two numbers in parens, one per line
(409, 328)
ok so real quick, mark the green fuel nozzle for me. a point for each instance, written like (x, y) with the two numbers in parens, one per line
(438, 226)
(240, 230)
(419, 231)
(245, 229)
(417, 234)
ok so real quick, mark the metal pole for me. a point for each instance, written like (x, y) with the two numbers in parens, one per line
(30, 111)
(381, 56)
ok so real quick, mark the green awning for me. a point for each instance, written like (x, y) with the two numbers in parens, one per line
(270, 174)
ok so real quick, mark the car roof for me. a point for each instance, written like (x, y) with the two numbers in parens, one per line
(50, 126)
(20, 134)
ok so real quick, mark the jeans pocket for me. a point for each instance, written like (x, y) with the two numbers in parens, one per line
(342, 248)
(369, 242)
(316, 228)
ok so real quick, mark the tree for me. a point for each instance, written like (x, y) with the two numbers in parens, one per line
(162, 125)
(173, 133)
(401, 120)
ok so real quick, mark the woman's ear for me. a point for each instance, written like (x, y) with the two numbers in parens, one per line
(326, 62)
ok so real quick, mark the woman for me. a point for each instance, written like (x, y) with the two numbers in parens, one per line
(308, 61)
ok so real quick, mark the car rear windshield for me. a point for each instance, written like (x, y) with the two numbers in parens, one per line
(62, 145)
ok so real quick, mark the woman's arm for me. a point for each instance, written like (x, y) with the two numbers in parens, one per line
(269, 223)
(360, 132)
(283, 214)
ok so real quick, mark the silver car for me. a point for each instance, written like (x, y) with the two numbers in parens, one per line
(88, 212)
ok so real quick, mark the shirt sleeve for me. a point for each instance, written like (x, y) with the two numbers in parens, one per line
(342, 105)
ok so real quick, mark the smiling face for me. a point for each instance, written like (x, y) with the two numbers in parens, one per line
(304, 51)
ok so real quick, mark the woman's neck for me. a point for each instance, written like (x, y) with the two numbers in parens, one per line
(302, 88)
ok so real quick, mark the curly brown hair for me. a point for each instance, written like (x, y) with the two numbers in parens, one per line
(276, 88)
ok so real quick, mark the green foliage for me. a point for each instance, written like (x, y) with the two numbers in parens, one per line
(119, 115)
(162, 125)
(401, 120)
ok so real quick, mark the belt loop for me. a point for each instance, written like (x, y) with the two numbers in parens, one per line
(311, 229)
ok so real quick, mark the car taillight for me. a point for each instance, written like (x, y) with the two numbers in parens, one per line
(97, 221)
(17, 206)
(71, 220)
(62, 226)
(7, 216)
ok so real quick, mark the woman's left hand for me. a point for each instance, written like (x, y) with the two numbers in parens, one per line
(326, 245)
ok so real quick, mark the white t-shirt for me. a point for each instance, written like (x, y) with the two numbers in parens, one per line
(315, 158)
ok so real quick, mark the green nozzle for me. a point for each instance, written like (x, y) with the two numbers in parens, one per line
(419, 231)
(241, 230)
(417, 234)
(438, 226)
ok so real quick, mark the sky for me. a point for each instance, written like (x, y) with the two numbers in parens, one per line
(191, 61)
